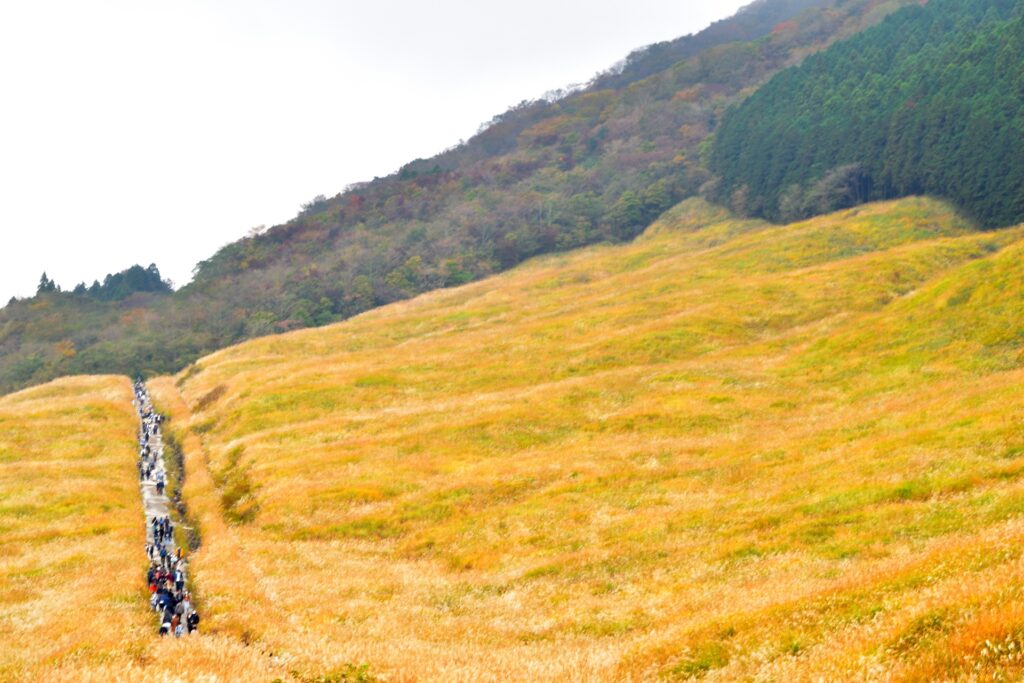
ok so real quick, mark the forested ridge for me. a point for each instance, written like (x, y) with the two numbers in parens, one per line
(593, 165)
(931, 101)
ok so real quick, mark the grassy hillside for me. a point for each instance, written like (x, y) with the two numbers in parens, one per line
(72, 601)
(549, 175)
(728, 450)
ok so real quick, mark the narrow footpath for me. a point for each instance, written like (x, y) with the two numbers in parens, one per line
(167, 575)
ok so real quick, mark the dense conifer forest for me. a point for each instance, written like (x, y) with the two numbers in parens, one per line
(929, 102)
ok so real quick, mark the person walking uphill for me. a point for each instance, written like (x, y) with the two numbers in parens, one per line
(167, 575)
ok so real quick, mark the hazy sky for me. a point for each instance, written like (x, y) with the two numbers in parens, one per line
(133, 131)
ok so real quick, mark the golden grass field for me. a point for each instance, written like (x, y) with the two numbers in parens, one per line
(73, 606)
(729, 451)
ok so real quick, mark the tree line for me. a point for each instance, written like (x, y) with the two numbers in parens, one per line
(114, 287)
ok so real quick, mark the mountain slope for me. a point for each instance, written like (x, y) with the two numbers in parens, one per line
(727, 450)
(929, 101)
(593, 166)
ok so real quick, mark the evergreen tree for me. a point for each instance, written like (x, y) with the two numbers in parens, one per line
(46, 285)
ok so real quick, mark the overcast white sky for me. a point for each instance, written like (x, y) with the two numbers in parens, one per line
(133, 131)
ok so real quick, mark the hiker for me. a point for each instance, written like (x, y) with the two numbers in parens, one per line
(163, 599)
(193, 621)
(165, 622)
